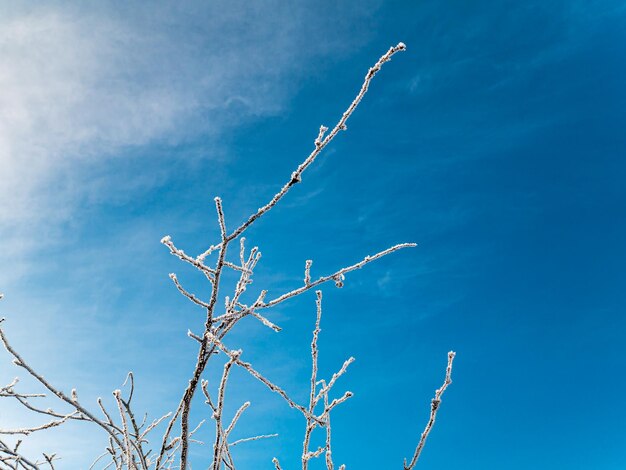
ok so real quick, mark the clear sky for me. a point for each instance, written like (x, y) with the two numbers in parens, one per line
(496, 142)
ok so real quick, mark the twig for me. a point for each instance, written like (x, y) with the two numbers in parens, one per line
(337, 275)
(254, 438)
(21, 363)
(320, 143)
(434, 407)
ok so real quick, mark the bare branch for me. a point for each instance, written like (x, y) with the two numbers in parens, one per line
(187, 294)
(434, 407)
(254, 438)
(336, 275)
(320, 143)
(220, 217)
(21, 363)
(29, 430)
(208, 272)
(221, 436)
(307, 272)
(311, 424)
(234, 355)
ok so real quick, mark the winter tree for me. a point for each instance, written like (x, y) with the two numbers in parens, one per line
(164, 441)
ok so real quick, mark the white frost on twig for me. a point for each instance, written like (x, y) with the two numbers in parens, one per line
(434, 407)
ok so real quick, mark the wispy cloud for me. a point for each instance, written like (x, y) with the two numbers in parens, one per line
(80, 87)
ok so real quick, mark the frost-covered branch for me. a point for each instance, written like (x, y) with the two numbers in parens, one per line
(220, 325)
(314, 397)
(124, 438)
(434, 407)
(320, 142)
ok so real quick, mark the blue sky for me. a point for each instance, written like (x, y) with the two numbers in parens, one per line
(495, 142)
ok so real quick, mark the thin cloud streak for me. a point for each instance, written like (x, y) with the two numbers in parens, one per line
(80, 88)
